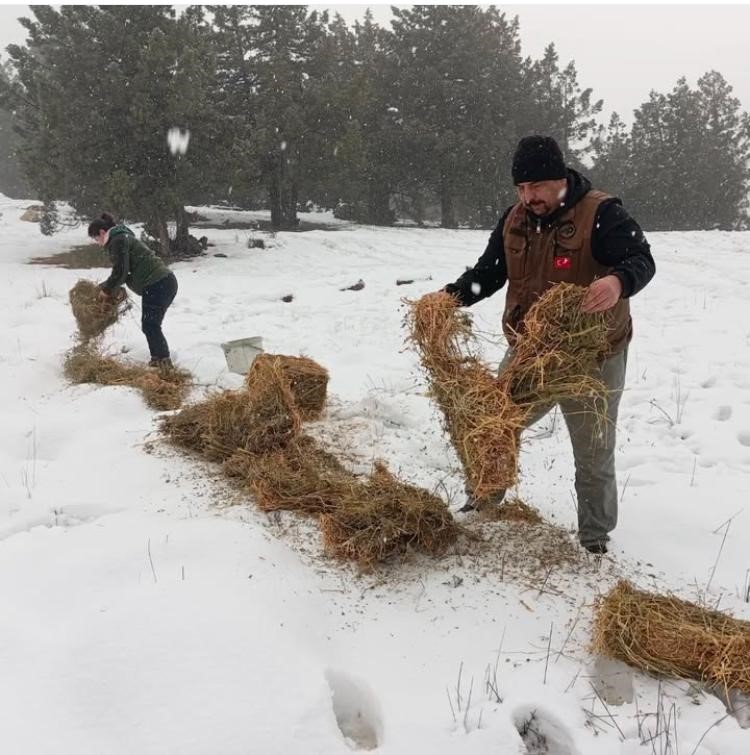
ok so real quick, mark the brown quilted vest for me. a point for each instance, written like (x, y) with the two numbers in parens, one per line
(537, 258)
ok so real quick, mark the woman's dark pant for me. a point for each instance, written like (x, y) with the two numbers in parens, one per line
(156, 300)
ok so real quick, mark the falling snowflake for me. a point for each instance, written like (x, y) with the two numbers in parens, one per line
(476, 289)
(178, 140)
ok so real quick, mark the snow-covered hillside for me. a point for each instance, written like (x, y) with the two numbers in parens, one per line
(141, 614)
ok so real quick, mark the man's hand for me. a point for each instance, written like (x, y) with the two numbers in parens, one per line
(602, 294)
(104, 295)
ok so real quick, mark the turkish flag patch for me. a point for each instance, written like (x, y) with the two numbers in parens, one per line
(563, 263)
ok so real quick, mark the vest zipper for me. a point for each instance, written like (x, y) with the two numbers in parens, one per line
(539, 225)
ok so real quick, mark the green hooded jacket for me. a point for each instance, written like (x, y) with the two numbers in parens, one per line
(133, 263)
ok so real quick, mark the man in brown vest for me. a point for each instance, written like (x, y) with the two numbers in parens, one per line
(562, 230)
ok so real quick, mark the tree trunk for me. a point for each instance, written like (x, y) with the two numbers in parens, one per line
(182, 235)
(447, 210)
(282, 196)
(378, 205)
(161, 228)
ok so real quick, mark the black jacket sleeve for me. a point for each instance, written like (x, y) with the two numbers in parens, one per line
(618, 242)
(120, 264)
(488, 275)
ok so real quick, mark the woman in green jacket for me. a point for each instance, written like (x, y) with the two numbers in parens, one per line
(136, 266)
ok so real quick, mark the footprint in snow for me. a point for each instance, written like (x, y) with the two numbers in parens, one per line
(542, 732)
(357, 711)
(723, 413)
(744, 438)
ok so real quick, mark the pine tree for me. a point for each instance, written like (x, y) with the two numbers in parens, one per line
(690, 153)
(459, 85)
(97, 90)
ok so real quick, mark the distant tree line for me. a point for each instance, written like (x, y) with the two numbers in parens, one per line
(288, 108)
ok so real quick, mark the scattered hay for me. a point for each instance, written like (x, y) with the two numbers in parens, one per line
(163, 389)
(555, 357)
(93, 314)
(187, 428)
(308, 381)
(514, 510)
(382, 517)
(255, 421)
(300, 477)
(665, 635)
(255, 432)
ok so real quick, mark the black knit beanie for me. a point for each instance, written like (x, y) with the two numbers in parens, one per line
(538, 158)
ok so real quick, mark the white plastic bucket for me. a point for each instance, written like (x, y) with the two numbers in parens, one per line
(241, 353)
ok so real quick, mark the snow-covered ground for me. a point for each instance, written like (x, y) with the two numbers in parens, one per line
(142, 615)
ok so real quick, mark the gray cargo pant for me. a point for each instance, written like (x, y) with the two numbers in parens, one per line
(593, 451)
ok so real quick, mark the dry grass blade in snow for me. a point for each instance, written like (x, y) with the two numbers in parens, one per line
(162, 389)
(665, 635)
(93, 314)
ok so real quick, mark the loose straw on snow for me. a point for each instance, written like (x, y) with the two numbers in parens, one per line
(255, 432)
(555, 357)
(665, 635)
(163, 389)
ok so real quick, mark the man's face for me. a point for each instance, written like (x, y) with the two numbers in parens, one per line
(542, 197)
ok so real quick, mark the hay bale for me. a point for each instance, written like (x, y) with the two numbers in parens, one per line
(665, 635)
(382, 517)
(162, 389)
(300, 477)
(93, 314)
(555, 357)
(308, 381)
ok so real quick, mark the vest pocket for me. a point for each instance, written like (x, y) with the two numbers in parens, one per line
(516, 259)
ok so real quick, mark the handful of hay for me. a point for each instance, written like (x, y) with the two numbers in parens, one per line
(665, 635)
(555, 357)
(95, 315)
(163, 390)
(482, 421)
(558, 352)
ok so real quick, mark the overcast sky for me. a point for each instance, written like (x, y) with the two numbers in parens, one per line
(621, 51)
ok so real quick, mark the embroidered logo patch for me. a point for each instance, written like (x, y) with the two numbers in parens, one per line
(563, 263)
(566, 230)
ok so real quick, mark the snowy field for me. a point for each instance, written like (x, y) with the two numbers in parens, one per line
(143, 615)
